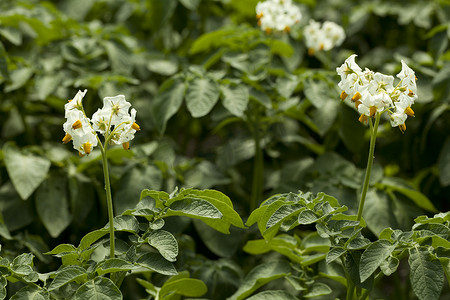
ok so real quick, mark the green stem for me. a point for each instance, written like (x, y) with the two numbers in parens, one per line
(350, 290)
(373, 137)
(108, 200)
(258, 168)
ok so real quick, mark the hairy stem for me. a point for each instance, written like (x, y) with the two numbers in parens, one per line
(373, 137)
(108, 200)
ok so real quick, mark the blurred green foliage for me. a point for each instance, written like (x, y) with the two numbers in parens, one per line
(215, 97)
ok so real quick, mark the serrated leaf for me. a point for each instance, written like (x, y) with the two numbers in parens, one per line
(201, 96)
(157, 263)
(426, 274)
(185, 286)
(25, 170)
(98, 288)
(165, 243)
(373, 256)
(259, 276)
(66, 275)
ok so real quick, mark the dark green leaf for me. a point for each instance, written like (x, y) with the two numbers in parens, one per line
(373, 257)
(98, 288)
(270, 295)
(201, 96)
(157, 263)
(165, 243)
(66, 275)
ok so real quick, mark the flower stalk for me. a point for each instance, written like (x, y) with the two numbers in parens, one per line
(373, 137)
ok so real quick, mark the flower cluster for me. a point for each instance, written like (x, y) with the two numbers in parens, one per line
(113, 121)
(277, 15)
(324, 36)
(375, 93)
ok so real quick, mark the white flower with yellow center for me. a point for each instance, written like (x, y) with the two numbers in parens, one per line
(323, 37)
(75, 104)
(277, 15)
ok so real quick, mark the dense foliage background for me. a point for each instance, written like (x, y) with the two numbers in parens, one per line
(221, 105)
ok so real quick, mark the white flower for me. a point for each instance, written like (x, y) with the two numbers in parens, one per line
(101, 120)
(85, 143)
(75, 104)
(117, 106)
(349, 67)
(324, 36)
(277, 15)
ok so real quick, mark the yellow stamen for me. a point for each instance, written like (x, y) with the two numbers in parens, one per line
(409, 111)
(343, 95)
(126, 145)
(402, 127)
(373, 111)
(135, 126)
(356, 97)
(268, 30)
(259, 16)
(410, 93)
(87, 147)
(77, 125)
(67, 138)
(363, 119)
(321, 47)
(415, 77)
(80, 154)
(259, 22)
(287, 29)
(357, 103)
(70, 100)
(311, 51)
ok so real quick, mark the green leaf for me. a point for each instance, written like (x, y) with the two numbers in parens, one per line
(398, 185)
(62, 248)
(125, 223)
(3, 61)
(270, 295)
(426, 275)
(66, 275)
(157, 263)
(318, 289)
(185, 286)
(259, 276)
(334, 254)
(389, 266)
(201, 96)
(257, 247)
(378, 211)
(165, 243)
(113, 265)
(167, 102)
(307, 217)
(235, 99)
(194, 208)
(52, 205)
(91, 238)
(373, 256)
(98, 288)
(443, 163)
(25, 170)
(30, 293)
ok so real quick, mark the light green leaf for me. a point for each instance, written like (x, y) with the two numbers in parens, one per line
(271, 295)
(185, 286)
(52, 205)
(165, 243)
(257, 247)
(318, 289)
(202, 94)
(25, 170)
(62, 248)
(157, 263)
(66, 275)
(426, 275)
(307, 217)
(30, 293)
(398, 185)
(167, 102)
(98, 288)
(259, 276)
(389, 266)
(373, 256)
(194, 208)
(91, 238)
(235, 99)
